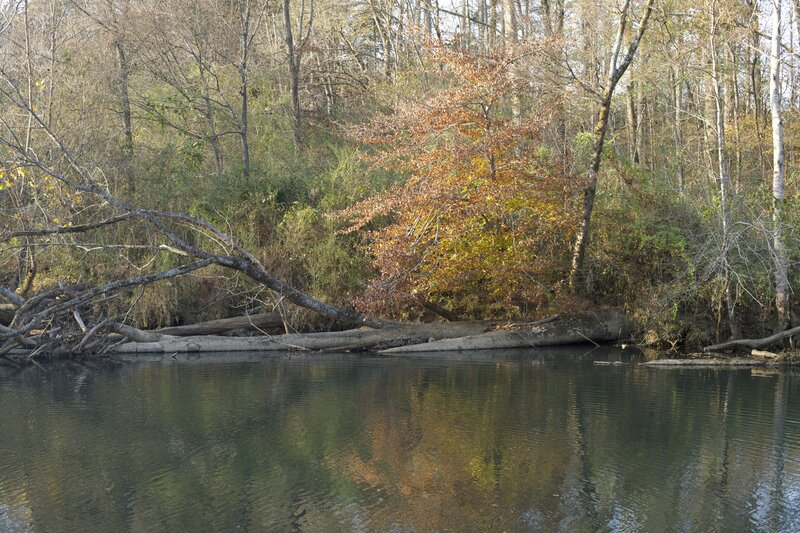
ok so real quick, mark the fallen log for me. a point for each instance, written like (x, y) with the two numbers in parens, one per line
(753, 343)
(260, 321)
(716, 362)
(764, 354)
(354, 339)
(593, 327)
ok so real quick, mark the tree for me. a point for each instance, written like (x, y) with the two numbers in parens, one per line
(616, 69)
(114, 23)
(477, 227)
(779, 249)
(723, 171)
(295, 56)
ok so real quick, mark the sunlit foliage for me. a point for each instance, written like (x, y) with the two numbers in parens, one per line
(480, 225)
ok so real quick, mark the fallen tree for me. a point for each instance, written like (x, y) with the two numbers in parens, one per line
(715, 362)
(594, 327)
(360, 339)
(400, 339)
(753, 343)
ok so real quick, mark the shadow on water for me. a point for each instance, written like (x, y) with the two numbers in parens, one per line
(531, 440)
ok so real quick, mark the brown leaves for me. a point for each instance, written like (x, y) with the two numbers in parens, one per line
(479, 224)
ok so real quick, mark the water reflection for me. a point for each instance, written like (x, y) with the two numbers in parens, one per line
(339, 443)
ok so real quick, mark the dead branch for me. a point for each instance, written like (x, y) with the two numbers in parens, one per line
(12, 296)
(80, 228)
(57, 307)
(136, 334)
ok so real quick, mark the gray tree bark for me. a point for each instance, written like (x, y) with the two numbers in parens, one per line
(616, 69)
(723, 176)
(778, 246)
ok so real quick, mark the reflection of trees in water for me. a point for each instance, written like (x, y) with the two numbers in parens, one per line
(769, 500)
(779, 448)
(578, 496)
(349, 445)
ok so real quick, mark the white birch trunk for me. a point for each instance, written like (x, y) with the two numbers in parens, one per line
(779, 251)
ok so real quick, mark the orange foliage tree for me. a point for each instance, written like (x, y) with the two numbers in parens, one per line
(480, 227)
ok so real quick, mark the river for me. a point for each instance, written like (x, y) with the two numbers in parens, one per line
(539, 441)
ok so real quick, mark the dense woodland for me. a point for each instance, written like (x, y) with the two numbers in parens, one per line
(169, 161)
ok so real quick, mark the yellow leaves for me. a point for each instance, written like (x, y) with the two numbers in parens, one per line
(9, 175)
(43, 186)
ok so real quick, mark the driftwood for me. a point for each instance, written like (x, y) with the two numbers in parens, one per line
(593, 327)
(261, 321)
(753, 343)
(764, 354)
(70, 318)
(734, 362)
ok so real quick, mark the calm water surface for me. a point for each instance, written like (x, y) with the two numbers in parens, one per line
(538, 442)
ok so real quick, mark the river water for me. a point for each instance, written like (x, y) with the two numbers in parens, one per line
(541, 441)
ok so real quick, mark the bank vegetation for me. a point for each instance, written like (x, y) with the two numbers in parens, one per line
(312, 166)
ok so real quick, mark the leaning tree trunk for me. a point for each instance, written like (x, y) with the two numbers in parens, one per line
(616, 69)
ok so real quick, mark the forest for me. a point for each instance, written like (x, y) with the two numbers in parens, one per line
(358, 162)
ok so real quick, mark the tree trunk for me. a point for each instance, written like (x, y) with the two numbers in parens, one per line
(754, 343)
(779, 249)
(213, 138)
(261, 321)
(466, 30)
(245, 15)
(616, 71)
(127, 128)
(402, 339)
(633, 125)
(723, 178)
(677, 132)
(354, 339)
(576, 329)
(582, 238)
(294, 77)
(509, 21)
